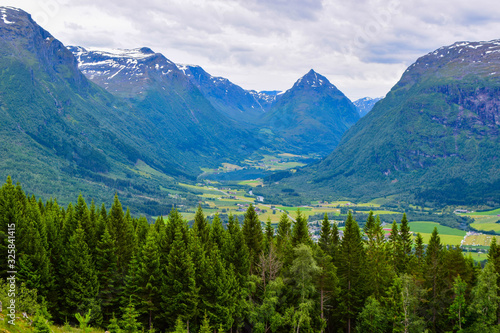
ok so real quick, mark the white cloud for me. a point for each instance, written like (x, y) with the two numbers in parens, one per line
(363, 47)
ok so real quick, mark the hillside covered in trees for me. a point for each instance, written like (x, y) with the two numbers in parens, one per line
(128, 275)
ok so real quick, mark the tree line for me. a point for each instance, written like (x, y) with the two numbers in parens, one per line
(84, 263)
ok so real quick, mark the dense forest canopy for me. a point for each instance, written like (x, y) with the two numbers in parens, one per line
(103, 267)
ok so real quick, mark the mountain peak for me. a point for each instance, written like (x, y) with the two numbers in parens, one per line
(313, 80)
(7, 12)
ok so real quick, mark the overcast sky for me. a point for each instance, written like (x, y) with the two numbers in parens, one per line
(361, 46)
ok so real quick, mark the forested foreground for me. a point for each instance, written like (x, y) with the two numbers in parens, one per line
(89, 266)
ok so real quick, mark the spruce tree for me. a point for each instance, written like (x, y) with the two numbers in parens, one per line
(129, 322)
(300, 232)
(107, 274)
(494, 258)
(395, 246)
(11, 210)
(335, 243)
(327, 281)
(33, 263)
(284, 231)
(217, 234)
(200, 227)
(252, 230)
(179, 294)
(269, 235)
(350, 272)
(114, 326)
(406, 239)
(378, 263)
(122, 232)
(149, 277)
(325, 236)
(218, 291)
(82, 216)
(434, 277)
(80, 287)
(205, 327)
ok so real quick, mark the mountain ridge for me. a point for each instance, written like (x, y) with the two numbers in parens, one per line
(443, 114)
(310, 116)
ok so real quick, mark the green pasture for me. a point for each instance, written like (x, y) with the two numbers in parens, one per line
(447, 235)
(488, 212)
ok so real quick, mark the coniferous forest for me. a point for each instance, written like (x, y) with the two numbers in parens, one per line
(99, 267)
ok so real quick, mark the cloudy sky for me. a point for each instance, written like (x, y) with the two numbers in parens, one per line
(361, 46)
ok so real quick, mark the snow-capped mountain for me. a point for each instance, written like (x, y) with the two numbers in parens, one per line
(229, 98)
(311, 116)
(365, 104)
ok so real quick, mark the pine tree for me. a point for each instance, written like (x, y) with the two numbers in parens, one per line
(350, 271)
(300, 232)
(252, 230)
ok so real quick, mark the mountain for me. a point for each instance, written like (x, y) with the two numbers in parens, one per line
(310, 117)
(365, 105)
(435, 135)
(232, 100)
(62, 134)
(183, 118)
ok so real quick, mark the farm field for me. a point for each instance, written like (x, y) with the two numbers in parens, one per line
(486, 220)
(448, 236)
(482, 239)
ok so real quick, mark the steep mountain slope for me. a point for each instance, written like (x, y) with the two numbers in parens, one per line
(184, 122)
(229, 98)
(365, 105)
(435, 134)
(310, 117)
(62, 134)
